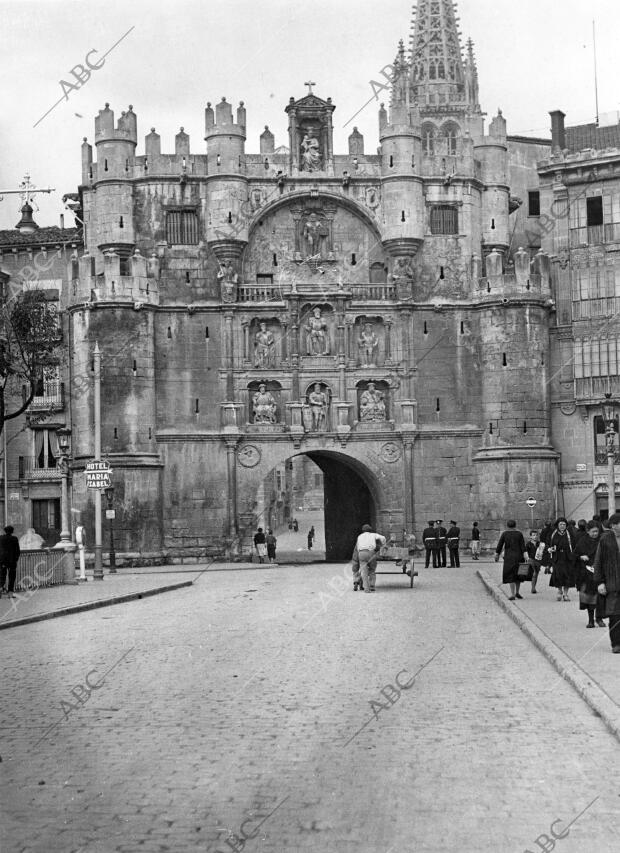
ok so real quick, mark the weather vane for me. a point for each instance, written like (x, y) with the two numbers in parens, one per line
(26, 190)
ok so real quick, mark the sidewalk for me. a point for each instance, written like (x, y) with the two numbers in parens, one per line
(37, 604)
(581, 656)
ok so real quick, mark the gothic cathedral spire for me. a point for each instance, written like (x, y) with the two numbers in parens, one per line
(438, 74)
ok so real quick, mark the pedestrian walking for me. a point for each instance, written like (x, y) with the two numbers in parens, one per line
(582, 530)
(535, 550)
(454, 536)
(311, 535)
(429, 537)
(545, 537)
(442, 538)
(512, 543)
(9, 555)
(475, 541)
(271, 542)
(562, 562)
(295, 525)
(607, 578)
(589, 597)
(368, 545)
(290, 524)
(260, 543)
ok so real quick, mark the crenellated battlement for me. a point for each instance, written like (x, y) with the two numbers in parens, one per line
(126, 129)
(220, 121)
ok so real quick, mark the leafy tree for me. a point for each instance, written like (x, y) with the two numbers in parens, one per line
(29, 340)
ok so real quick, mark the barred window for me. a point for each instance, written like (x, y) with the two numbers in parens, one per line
(182, 227)
(444, 219)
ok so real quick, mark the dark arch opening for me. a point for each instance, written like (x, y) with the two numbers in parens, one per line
(348, 504)
(342, 495)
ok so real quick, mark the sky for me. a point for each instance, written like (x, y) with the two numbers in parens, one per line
(533, 56)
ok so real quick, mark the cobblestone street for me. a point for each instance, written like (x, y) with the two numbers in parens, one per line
(257, 692)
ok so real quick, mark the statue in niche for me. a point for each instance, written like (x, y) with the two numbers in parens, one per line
(318, 400)
(402, 272)
(264, 406)
(310, 152)
(317, 338)
(264, 348)
(313, 233)
(228, 279)
(368, 344)
(372, 405)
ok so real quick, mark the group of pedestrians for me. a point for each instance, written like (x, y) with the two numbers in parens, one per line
(584, 556)
(437, 539)
(265, 545)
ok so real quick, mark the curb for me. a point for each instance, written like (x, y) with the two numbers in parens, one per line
(92, 605)
(591, 692)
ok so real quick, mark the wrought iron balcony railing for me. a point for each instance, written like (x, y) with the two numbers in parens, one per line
(30, 468)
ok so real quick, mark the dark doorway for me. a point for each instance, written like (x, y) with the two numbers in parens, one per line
(348, 505)
(46, 520)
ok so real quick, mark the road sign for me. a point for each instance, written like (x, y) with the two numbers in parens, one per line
(531, 502)
(110, 514)
(103, 467)
(98, 480)
(98, 475)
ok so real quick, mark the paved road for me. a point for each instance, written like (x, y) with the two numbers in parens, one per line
(251, 694)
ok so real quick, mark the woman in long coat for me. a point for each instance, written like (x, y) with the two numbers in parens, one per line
(562, 560)
(512, 543)
(589, 598)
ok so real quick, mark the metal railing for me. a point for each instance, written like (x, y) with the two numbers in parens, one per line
(40, 568)
(595, 387)
(600, 457)
(30, 469)
(53, 397)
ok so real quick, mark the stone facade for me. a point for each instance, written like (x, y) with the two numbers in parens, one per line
(580, 220)
(37, 258)
(369, 310)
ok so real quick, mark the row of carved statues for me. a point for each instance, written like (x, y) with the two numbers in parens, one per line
(372, 406)
(317, 342)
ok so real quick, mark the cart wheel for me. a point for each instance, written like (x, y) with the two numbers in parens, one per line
(412, 575)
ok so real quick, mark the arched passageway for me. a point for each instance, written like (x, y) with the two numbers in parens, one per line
(339, 494)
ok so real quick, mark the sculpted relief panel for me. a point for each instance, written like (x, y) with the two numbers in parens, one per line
(313, 237)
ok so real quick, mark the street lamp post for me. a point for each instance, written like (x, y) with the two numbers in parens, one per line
(109, 493)
(63, 434)
(610, 439)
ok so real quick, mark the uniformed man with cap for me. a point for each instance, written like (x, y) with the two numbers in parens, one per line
(429, 537)
(454, 535)
(442, 536)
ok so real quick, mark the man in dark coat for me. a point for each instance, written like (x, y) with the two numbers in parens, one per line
(442, 538)
(429, 537)
(9, 555)
(607, 578)
(454, 535)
